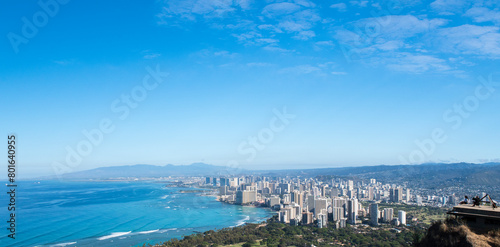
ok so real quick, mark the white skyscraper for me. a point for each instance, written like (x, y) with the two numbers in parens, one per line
(402, 217)
(388, 214)
(350, 184)
(338, 213)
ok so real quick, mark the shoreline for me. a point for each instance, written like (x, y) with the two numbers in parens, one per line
(138, 237)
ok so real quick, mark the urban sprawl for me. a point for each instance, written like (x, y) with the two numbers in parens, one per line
(301, 201)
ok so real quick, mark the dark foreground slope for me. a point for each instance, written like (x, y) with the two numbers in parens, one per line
(453, 234)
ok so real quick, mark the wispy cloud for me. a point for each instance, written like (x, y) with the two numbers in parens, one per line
(471, 39)
(482, 14)
(359, 3)
(416, 63)
(147, 54)
(341, 7)
(259, 64)
(251, 24)
(301, 69)
(447, 7)
(64, 62)
(322, 69)
(338, 73)
(399, 40)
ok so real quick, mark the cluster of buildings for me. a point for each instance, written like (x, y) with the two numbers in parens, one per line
(309, 201)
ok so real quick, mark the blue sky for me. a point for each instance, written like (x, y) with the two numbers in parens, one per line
(366, 82)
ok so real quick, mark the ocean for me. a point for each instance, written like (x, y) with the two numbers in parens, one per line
(125, 213)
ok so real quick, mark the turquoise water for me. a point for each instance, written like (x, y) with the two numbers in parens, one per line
(54, 213)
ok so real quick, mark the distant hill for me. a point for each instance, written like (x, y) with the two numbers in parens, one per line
(152, 171)
(427, 175)
(431, 175)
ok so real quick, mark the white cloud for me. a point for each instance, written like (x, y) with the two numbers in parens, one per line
(325, 43)
(322, 69)
(209, 53)
(188, 9)
(148, 54)
(301, 69)
(338, 73)
(304, 35)
(275, 48)
(278, 9)
(244, 4)
(359, 3)
(398, 26)
(416, 63)
(471, 39)
(249, 25)
(481, 14)
(64, 62)
(388, 33)
(152, 55)
(299, 23)
(259, 64)
(449, 6)
(342, 7)
(390, 45)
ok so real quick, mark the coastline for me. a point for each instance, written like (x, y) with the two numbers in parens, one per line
(190, 213)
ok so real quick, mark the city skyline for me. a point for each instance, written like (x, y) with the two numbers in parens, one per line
(275, 84)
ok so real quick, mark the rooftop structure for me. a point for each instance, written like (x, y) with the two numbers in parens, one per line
(482, 217)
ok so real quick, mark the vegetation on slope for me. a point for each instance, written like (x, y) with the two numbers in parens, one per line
(451, 233)
(273, 234)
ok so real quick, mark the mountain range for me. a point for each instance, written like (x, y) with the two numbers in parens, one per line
(430, 174)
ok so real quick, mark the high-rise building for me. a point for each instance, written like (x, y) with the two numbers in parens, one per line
(351, 194)
(396, 194)
(274, 200)
(224, 182)
(374, 214)
(373, 181)
(287, 198)
(320, 205)
(214, 181)
(408, 196)
(223, 190)
(285, 215)
(339, 202)
(388, 214)
(338, 213)
(307, 218)
(285, 188)
(207, 180)
(310, 203)
(402, 217)
(370, 193)
(322, 220)
(246, 196)
(352, 211)
(334, 192)
(298, 197)
(419, 200)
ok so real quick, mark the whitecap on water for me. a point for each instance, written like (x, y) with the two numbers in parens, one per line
(114, 235)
